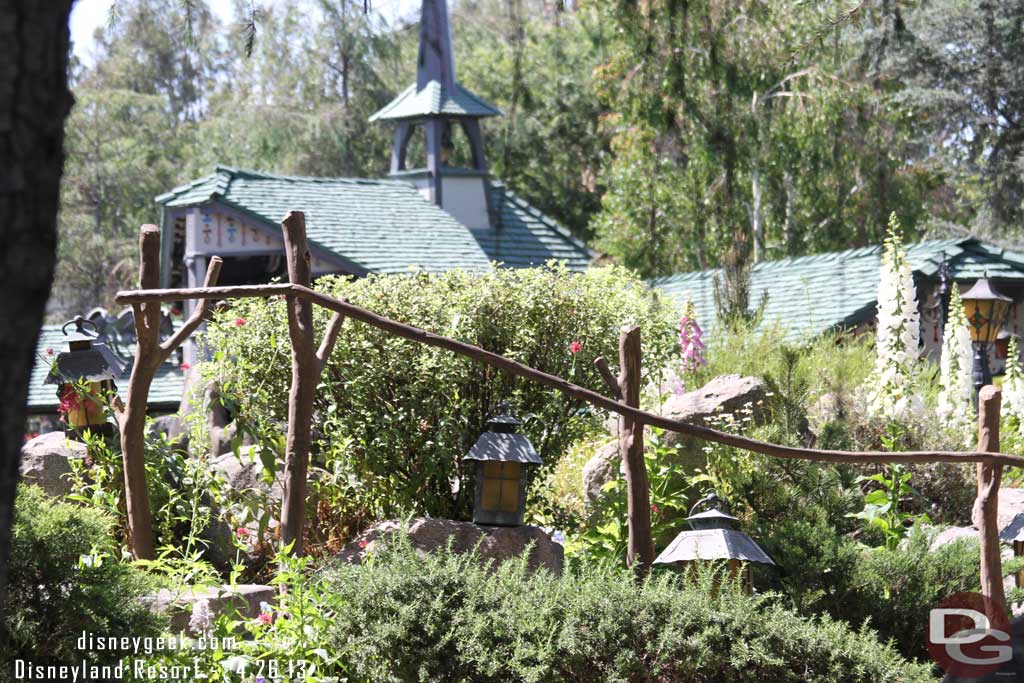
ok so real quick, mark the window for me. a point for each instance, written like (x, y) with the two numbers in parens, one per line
(500, 486)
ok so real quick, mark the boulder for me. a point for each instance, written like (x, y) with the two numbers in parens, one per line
(495, 543)
(602, 468)
(45, 461)
(723, 394)
(245, 471)
(953, 534)
(246, 598)
(171, 427)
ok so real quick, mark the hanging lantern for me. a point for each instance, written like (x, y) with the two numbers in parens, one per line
(90, 362)
(713, 538)
(501, 457)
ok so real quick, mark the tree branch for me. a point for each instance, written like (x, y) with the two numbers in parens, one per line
(198, 315)
(330, 337)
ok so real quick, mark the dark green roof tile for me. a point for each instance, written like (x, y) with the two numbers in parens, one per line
(435, 100)
(809, 295)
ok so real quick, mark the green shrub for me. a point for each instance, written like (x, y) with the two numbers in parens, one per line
(895, 589)
(63, 581)
(397, 416)
(446, 618)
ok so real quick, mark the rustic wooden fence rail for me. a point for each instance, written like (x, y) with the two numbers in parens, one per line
(625, 403)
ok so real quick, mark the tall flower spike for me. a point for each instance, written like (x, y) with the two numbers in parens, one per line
(1013, 384)
(956, 384)
(891, 389)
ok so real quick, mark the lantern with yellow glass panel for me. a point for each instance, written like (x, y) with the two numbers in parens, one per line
(84, 375)
(985, 309)
(502, 457)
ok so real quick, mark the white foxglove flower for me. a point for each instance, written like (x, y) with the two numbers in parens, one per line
(891, 390)
(956, 384)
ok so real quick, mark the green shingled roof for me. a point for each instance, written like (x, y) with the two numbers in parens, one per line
(378, 226)
(386, 226)
(435, 100)
(524, 237)
(812, 294)
(165, 394)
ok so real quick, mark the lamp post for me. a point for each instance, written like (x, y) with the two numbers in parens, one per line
(502, 457)
(90, 361)
(985, 309)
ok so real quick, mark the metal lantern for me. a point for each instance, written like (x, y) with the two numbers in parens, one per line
(89, 361)
(502, 457)
(985, 309)
(713, 538)
(1013, 535)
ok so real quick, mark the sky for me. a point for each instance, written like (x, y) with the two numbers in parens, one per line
(88, 15)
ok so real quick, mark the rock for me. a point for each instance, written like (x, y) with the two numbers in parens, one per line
(951, 535)
(44, 462)
(1011, 504)
(599, 470)
(245, 471)
(171, 427)
(246, 598)
(723, 394)
(430, 534)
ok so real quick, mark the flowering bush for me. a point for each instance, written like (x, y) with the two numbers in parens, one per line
(891, 390)
(396, 416)
(956, 385)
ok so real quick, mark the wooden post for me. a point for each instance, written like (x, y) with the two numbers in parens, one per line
(149, 356)
(307, 363)
(640, 551)
(986, 506)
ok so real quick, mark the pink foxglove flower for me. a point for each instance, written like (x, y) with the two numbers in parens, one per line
(691, 343)
(575, 347)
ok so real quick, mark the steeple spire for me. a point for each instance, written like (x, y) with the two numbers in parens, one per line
(438, 104)
(436, 62)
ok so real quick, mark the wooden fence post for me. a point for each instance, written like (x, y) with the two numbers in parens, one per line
(150, 354)
(307, 363)
(986, 506)
(640, 551)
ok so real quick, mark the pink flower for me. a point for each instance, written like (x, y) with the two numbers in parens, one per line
(242, 532)
(175, 310)
(363, 544)
(49, 352)
(265, 619)
(690, 341)
(185, 366)
(239, 322)
(575, 347)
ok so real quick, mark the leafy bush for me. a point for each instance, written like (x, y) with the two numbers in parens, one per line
(447, 618)
(397, 416)
(63, 581)
(894, 590)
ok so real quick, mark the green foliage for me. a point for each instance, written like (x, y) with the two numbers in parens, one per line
(894, 590)
(180, 488)
(731, 124)
(446, 617)
(396, 416)
(65, 578)
(882, 505)
(602, 535)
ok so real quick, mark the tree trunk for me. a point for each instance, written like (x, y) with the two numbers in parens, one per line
(640, 551)
(34, 101)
